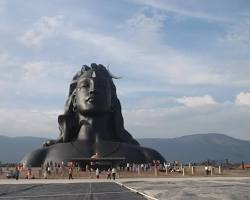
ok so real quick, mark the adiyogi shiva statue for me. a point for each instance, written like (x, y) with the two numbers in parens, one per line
(92, 123)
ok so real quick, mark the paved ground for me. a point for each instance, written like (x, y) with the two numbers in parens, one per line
(63, 191)
(210, 188)
(187, 188)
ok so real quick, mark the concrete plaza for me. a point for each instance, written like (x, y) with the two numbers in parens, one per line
(197, 188)
(194, 188)
(65, 190)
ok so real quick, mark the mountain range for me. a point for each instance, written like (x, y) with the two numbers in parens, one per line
(190, 148)
(201, 147)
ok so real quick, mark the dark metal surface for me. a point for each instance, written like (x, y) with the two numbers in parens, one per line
(92, 123)
(74, 191)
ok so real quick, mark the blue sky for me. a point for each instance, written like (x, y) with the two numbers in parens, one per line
(185, 64)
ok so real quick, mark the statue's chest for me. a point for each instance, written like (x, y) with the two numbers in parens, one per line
(86, 133)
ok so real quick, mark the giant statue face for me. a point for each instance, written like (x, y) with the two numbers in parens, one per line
(93, 93)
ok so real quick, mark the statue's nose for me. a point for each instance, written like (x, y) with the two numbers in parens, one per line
(92, 88)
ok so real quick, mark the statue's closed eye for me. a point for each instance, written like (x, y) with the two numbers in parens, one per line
(83, 84)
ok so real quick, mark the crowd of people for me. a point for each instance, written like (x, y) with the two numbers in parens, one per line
(67, 169)
(70, 167)
(74, 169)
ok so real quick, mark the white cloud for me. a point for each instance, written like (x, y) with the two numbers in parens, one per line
(145, 30)
(37, 70)
(103, 47)
(168, 122)
(33, 70)
(243, 99)
(3, 58)
(157, 58)
(9, 72)
(29, 122)
(197, 101)
(46, 77)
(238, 33)
(2, 5)
(179, 121)
(141, 49)
(33, 78)
(44, 28)
(146, 56)
(193, 10)
(6, 60)
(138, 50)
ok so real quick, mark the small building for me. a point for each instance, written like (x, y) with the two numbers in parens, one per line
(96, 161)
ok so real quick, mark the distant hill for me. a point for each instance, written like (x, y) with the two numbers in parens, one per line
(12, 149)
(200, 147)
(191, 148)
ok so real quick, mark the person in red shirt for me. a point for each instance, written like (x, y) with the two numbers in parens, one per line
(70, 173)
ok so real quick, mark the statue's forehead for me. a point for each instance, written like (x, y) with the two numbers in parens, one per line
(93, 73)
(89, 74)
(92, 76)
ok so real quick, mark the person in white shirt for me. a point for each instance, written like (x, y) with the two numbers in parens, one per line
(113, 173)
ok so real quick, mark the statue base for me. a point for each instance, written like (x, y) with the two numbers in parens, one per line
(65, 152)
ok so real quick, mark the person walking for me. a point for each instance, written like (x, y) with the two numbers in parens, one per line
(206, 170)
(29, 175)
(70, 173)
(49, 170)
(97, 173)
(109, 174)
(17, 172)
(113, 173)
(45, 174)
(128, 166)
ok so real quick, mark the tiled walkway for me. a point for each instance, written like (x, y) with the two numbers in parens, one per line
(72, 191)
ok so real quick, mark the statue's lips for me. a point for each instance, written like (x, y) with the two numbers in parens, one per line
(90, 99)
